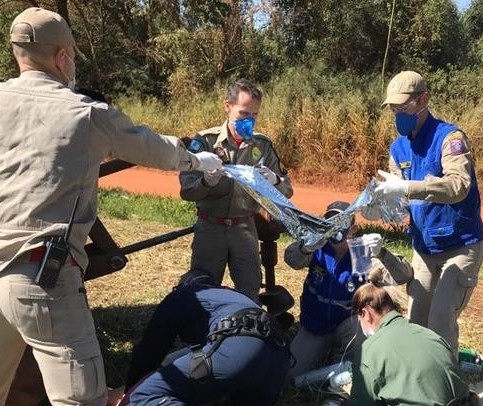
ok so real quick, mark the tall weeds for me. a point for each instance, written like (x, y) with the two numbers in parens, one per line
(326, 128)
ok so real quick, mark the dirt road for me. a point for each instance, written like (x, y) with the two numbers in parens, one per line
(142, 180)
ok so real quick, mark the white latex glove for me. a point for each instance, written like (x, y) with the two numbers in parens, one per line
(205, 161)
(371, 213)
(373, 243)
(392, 185)
(211, 178)
(268, 174)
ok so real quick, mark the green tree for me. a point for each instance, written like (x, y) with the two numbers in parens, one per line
(435, 36)
(473, 23)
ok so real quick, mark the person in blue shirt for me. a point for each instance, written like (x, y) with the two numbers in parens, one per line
(431, 165)
(327, 326)
(239, 354)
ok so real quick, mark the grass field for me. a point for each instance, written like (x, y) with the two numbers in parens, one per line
(123, 302)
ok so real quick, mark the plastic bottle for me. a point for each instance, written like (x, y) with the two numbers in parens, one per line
(321, 374)
(467, 354)
(341, 379)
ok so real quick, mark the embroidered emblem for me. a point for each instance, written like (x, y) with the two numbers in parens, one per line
(457, 146)
(405, 165)
(256, 154)
(195, 146)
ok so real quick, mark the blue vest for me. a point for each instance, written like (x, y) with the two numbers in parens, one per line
(325, 300)
(435, 227)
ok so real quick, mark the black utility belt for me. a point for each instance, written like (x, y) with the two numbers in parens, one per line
(254, 322)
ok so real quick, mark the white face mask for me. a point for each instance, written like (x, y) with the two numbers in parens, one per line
(369, 332)
(70, 82)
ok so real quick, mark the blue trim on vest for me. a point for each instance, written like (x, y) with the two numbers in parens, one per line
(435, 227)
(325, 300)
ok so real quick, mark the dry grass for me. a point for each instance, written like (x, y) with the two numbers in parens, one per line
(321, 139)
(123, 302)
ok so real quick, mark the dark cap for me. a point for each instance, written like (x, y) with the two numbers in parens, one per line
(336, 208)
(196, 277)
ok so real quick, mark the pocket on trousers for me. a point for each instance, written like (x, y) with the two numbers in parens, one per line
(30, 305)
(87, 372)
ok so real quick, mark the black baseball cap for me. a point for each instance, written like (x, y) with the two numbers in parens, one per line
(336, 208)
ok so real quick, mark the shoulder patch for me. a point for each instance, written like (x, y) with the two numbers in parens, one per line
(457, 144)
(195, 146)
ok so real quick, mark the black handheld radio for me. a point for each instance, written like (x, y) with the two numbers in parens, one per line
(56, 252)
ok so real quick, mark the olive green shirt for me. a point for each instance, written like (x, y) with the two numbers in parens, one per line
(405, 364)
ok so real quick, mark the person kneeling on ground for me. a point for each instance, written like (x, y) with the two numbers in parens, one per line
(328, 327)
(401, 363)
(240, 353)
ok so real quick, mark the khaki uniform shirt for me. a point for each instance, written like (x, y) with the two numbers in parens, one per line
(51, 144)
(227, 199)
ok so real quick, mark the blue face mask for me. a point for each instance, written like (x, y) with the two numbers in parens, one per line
(406, 123)
(244, 127)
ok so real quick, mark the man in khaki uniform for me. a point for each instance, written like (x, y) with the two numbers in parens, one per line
(431, 164)
(225, 232)
(52, 143)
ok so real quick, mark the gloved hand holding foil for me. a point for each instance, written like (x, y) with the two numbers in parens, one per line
(312, 231)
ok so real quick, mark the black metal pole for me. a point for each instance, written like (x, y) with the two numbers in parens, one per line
(129, 249)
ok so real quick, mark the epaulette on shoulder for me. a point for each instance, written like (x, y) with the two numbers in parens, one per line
(210, 131)
(262, 137)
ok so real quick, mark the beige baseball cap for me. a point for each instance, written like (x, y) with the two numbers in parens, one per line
(403, 86)
(42, 27)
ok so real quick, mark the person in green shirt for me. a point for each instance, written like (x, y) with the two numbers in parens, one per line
(401, 363)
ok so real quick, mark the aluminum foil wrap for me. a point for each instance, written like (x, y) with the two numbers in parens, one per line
(311, 230)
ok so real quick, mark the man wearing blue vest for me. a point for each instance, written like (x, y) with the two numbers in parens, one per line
(328, 326)
(431, 164)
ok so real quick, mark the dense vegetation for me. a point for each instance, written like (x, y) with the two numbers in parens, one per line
(323, 65)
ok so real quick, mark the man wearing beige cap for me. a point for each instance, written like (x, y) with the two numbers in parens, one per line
(431, 164)
(52, 143)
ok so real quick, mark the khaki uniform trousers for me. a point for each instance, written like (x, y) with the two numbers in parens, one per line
(442, 287)
(58, 325)
(312, 351)
(216, 245)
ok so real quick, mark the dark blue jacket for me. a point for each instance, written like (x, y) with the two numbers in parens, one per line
(325, 300)
(188, 312)
(436, 227)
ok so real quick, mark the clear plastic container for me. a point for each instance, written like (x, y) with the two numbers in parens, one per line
(360, 257)
(323, 374)
(341, 379)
